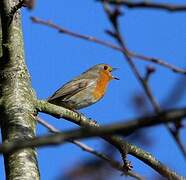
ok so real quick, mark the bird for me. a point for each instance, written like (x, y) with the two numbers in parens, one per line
(84, 90)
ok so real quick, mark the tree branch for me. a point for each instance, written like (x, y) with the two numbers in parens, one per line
(149, 5)
(113, 17)
(127, 127)
(60, 138)
(115, 164)
(108, 44)
(113, 140)
(121, 145)
(89, 131)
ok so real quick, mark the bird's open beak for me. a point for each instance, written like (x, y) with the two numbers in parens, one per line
(114, 69)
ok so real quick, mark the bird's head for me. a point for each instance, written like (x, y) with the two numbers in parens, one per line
(105, 69)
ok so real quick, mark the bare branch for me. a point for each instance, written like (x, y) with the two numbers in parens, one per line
(149, 71)
(113, 17)
(122, 146)
(60, 138)
(113, 140)
(149, 5)
(158, 61)
(149, 159)
(90, 131)
(127, 127)
(29, 4)
(176, 133)
(108, 44)
(115, 164)
(81, 120)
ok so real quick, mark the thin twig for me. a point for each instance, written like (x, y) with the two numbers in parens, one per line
(115, 164)
(149, 71)
(149, 5)
(110, 45)
(158, 61)
(29, 4)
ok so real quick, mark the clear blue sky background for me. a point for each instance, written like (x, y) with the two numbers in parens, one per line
(54, 58)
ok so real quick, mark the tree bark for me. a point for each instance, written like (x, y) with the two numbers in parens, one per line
(16, 97)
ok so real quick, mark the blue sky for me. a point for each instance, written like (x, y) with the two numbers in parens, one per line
(54, 59)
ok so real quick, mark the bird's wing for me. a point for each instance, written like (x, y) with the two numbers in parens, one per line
(71, 88)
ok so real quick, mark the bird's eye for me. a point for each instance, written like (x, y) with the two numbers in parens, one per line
(105, 67)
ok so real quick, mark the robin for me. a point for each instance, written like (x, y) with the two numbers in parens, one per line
(84, 90)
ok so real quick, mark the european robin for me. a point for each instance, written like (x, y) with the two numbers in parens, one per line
(84, 90)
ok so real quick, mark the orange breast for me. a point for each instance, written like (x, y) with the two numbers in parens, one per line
(101, 85)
